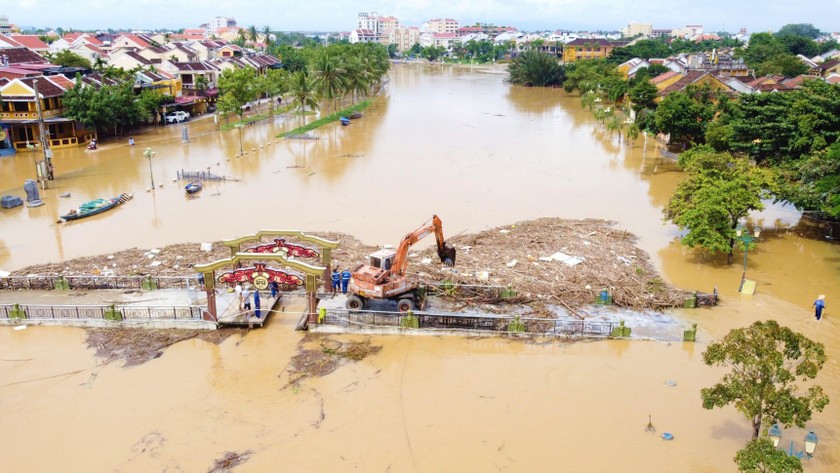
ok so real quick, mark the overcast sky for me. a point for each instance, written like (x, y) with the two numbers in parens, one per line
(340, 15)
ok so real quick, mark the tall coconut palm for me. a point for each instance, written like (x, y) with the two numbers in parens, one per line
(252, 34)
(330, 76)
(266, 31)
(302, 88)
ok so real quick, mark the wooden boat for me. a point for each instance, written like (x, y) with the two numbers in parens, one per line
(96, 207)
(344, 121)
(355, 115)
(193, 187)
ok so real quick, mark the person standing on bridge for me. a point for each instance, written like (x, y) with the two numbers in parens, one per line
(336, 280)
(238, 290)
(246, 299)
(345, 280)
(257, 303)
(274, 288)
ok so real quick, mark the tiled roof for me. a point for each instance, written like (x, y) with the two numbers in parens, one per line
(829, 64)
(589, 41)
(194, 66)
(663, 77)
(138, 58)
(61, 81)
(96, 79)
(686, 80)
(7, 42)
(46, 88)
(833, 79)
(22, 55)
(157, 49)
(797, 81)
(30, 41)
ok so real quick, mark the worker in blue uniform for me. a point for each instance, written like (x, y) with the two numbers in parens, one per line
(345, 280)
(336, 280)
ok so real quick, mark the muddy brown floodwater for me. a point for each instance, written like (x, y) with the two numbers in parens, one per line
(453, 141)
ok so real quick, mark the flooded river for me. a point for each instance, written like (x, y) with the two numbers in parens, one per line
(453, 141)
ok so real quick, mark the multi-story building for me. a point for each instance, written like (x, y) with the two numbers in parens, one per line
(405, 37)
(442, 25)
(368, 21)
(587, 48)
(635, 29)
(5, 26)
(220, 22)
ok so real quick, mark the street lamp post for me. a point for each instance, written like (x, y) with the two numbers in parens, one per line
(240, 126)
(746, 240)
(149, 154)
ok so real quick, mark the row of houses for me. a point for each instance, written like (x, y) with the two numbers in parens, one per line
(187, 72)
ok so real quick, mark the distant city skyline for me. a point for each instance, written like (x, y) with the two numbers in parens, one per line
(340, 15)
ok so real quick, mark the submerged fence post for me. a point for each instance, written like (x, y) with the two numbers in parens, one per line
(690, 335)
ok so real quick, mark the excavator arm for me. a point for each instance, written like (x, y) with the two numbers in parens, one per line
(445, 252)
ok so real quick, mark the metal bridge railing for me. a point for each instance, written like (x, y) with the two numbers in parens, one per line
(45, 283)
(490, 322)
(102, 312)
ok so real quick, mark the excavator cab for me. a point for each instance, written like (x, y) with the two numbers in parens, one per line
(382, 259)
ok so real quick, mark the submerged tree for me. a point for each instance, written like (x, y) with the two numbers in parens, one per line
(720, 190)
(767, 361)
(534, 68)
(760, 456)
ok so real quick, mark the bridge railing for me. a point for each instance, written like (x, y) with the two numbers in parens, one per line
(489, 322)
(101, 312)
(45, 283)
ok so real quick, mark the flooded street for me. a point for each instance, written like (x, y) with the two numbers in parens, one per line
(452, 141)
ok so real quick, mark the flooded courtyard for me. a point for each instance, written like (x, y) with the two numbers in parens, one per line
(456, 142)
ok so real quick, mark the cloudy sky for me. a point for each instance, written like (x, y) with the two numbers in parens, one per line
(340, 15)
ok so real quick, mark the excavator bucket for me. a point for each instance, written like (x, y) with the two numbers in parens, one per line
(447, 255)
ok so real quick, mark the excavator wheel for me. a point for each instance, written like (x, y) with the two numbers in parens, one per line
(354, 303)
(404, 305)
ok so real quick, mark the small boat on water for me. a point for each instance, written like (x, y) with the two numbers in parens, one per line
(355, 115)
(96, 207)
(193, 187)
(344, 121)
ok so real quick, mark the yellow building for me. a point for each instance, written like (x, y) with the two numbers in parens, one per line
(587, 48)
(20, 113)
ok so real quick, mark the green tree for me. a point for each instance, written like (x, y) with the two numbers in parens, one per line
(760, 456)
(643, 95)
(800, 29)
(330, 76)
(433, 53)
(767, 362)
(393, 51)
(252, 34)
(68, 58)
(535, 68)
(304, 93)
(236, 88)
(786, 65)
(266, 32)
(720, 189)
(416, 49)
(684, 116)
(292, 59)
(813, 183)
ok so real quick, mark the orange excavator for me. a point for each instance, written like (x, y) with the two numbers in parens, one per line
(384, 275)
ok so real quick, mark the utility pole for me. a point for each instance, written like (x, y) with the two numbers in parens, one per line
(42, 134)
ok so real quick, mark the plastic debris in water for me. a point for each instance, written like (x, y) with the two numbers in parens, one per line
(667, 436)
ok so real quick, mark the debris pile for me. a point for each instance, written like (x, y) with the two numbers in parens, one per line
(544, 261)
(136, 347)
(556, 261)
(327, 357)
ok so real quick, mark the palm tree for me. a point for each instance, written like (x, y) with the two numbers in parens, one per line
(167, 38)
(331, 77)
(201, 84)
(302, 87)
(266, 31)
(252, 34)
